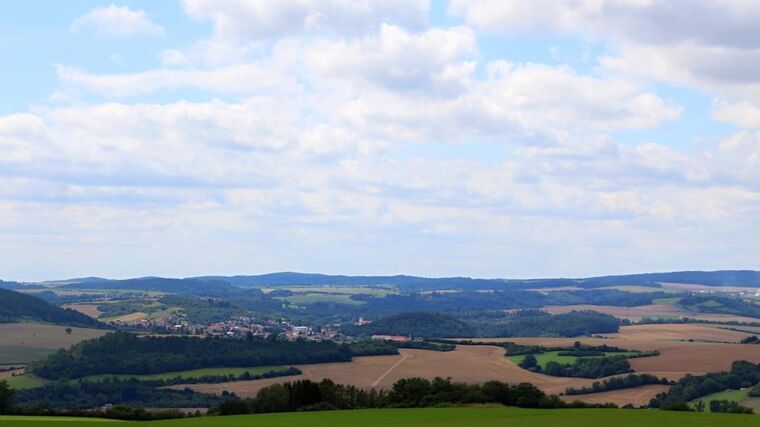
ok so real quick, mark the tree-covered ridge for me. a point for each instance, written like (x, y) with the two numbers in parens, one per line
(524, 323)
(17, 307)
(125, 353)
(418, 325)
(180, 286)
(535, 323)
(720, 304)
(415, 284)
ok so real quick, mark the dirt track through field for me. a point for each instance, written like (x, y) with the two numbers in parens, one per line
(395, 365)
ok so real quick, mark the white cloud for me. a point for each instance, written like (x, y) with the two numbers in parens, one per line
(710, 44)
(238, 78)
(743, 114)
(117, 21)
(258, 19)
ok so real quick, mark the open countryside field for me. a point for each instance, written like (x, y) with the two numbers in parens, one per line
(654, 311)
(476, 364)
(470, 364)
(24, 342)
(25, 381)
(314, 297)
(433, 417)
(347, 290)
(680, 332)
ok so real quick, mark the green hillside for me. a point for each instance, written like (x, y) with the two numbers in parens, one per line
(18, 307)
(443, 417)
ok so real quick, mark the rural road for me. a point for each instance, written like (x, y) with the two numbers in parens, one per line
(395, 365)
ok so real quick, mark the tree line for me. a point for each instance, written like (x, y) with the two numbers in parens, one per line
(306, 395)
(617, 383)
(126, 353)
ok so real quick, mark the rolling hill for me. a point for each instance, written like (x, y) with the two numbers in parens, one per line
(18, 307)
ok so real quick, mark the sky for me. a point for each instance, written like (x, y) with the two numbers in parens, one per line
(484, 138)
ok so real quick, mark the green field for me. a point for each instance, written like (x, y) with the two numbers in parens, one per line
(194, 373)
(739, 396)
(429, 417)
(553, 356)
(25, 342)
(377, 291)
(314, 297)
(21, 382)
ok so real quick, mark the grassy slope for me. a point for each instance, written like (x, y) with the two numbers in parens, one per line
(730, 395)
(312, 298)
(447, 417)
(25, 381)
(24, 342)
(552, 356)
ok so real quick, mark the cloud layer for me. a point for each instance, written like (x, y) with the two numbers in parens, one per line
(362, 137)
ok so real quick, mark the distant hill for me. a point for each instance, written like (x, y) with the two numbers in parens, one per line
(415, 324)
(17, 285)
(745, 278)
(192, 286)
(230, 285)
(296, 279)
(18, 307)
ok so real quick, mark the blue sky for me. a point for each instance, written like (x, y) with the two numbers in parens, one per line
(481, 138)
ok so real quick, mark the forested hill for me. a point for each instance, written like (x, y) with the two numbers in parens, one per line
(417, 325)
(201, 287)
(17, 286)
(125, 353)
(229, 285)
(16, 307)
(746, 278)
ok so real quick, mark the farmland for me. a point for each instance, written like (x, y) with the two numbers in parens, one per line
(470, 364)
(476, 364)
(554, 356)
(739, 396)
(660, 310)
(315, 297)
(438, 417)
(25, 342)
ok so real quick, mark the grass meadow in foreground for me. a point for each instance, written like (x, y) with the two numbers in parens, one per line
(432, 417)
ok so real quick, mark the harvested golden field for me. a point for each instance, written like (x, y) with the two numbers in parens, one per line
(652, 311)
(477, 364)
(86, 309)
(637, 396)
(24, 342)
(682, 332)
(471, 364)
(131, 317)
(676, 359)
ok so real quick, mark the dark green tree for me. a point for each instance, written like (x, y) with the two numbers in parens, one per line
(6, 397)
